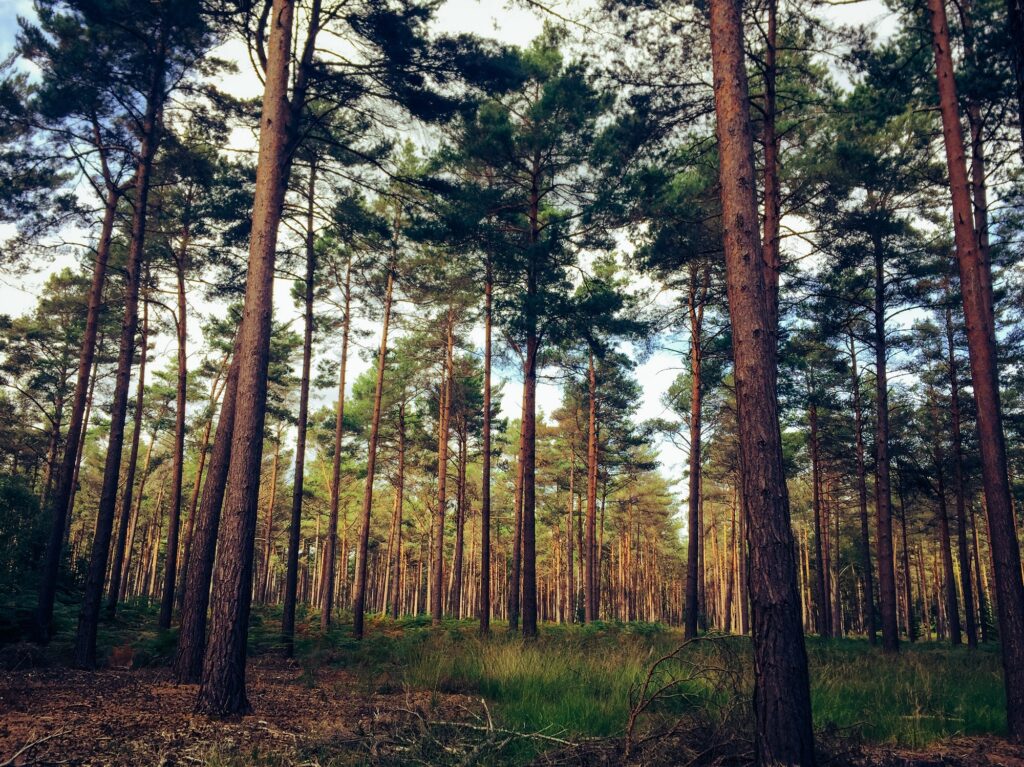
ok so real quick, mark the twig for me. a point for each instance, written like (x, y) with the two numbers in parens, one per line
(490, 722)
(503, 731)
(31, 744)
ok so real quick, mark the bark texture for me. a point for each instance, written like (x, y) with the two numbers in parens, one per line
(980, 322)
(188, 657)
(782, 704)
(222, 691)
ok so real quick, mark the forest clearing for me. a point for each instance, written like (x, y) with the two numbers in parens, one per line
(586, 382)
(408, 694)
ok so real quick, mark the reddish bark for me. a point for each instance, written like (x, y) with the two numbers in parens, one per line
(215, 393)
(975, 280)
(188, 657)
(782, 706)
(772, 192)
(949, 575)
(222, 691)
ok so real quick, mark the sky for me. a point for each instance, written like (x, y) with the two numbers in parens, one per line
(513, 23)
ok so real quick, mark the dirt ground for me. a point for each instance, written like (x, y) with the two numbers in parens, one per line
(61, 716)
(140, 717)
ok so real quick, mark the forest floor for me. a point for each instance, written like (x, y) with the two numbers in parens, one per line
(408, 694)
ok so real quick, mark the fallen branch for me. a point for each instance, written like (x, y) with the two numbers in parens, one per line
(30, 745)
(503, 731)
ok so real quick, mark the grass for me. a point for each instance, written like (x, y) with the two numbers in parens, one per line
(576, 680)
(929, 691)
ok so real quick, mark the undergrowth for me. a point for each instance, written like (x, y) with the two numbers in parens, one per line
(576, 681)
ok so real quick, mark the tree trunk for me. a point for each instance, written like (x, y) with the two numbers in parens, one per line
(744, 559)
(460, 526)
(570, 590)
(81, 446)
(396, 592)
(529, 544)
(215, 393)
(359, 590)
(222, 691)
(263, 582)
(174, 524)
(134, 515)
(51, 450)
(959, 484)
(292, 570)
(782, 703)
(823, 613)
(120, 552)
(883, 490)
(485, 469)
(696, 315)
(188, 657)
(980, 578)
(952, 608)
(867, 576)
(88, 617)
(61, 500)
(330, 553)
(980, 322)
(837, 592)
(730, 584)
(590, 581)
(443, 416)
(772, 193)
(517, 530)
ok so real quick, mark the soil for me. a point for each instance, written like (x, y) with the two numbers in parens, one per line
(141, 717)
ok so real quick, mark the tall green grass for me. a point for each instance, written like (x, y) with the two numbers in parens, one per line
(927, 692)
(577, 680)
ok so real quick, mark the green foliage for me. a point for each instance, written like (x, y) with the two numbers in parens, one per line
(22, 533)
